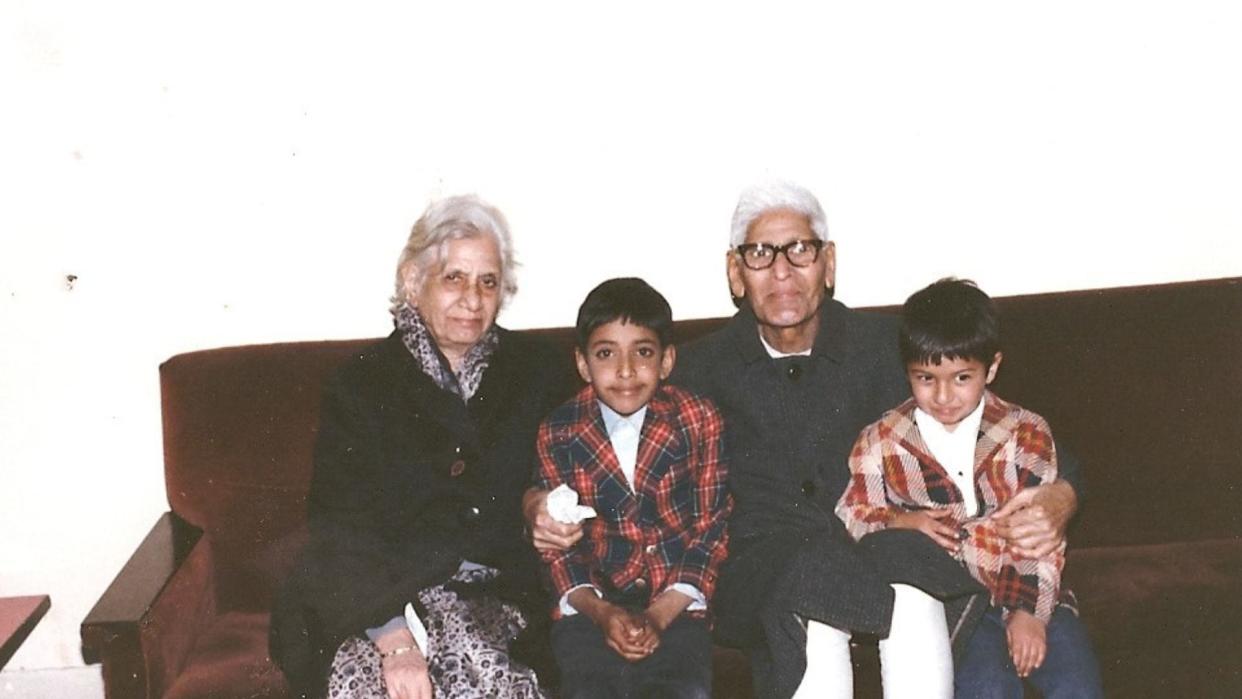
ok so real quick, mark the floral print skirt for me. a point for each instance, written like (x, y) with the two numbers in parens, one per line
(470, 650)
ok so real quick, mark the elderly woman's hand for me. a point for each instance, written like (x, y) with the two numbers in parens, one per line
(546, 533)
(1034, 521)
(406, 676)
(405, 667)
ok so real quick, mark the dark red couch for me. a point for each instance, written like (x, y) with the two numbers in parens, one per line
(1145, 383)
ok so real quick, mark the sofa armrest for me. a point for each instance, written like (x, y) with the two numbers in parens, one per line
(145, 623)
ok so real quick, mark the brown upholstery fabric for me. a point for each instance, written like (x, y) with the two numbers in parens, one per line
(185, 606)
(230, 661)
(1143, 384)
(1133, 595)
(239, 428)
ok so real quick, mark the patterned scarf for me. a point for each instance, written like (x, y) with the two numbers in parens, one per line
(418, 340)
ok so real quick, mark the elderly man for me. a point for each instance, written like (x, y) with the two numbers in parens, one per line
(797, 375)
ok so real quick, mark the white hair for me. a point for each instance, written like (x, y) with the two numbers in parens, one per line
(446, 220)
(776, 195)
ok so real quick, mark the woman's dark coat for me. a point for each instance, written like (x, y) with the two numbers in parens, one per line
(408, 482)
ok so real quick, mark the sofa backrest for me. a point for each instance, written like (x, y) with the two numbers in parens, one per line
(1142, 382)
(239, 429)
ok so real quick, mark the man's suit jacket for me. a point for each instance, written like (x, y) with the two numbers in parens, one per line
(791, 422)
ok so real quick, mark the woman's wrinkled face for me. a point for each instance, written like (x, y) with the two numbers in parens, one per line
(460, 300)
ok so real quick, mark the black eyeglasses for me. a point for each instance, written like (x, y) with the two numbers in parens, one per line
(800, 253)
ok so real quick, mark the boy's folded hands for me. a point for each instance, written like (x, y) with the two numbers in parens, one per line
(631, 635)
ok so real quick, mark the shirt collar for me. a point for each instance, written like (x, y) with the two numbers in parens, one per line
(777, 354)
(831, 339)
(614, 420)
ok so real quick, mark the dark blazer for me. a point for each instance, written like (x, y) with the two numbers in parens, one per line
(408, 482)
(792, 422)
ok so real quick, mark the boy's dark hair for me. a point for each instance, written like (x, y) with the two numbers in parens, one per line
(950, 319)
(628, 299)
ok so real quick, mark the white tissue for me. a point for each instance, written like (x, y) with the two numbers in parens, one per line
(418, 630)
(563, 506)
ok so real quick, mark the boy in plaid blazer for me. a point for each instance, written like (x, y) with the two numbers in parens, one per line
(633, 592)
(946, 459)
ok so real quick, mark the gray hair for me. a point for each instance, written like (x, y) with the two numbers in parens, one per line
(776, 195)
(446, 220)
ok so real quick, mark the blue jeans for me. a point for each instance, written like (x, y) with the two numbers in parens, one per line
(1069, 669)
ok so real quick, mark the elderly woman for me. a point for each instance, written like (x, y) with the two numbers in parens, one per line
(416, 562)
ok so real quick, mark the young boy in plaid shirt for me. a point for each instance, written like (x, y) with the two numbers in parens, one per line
(949, 457)
(633, 592)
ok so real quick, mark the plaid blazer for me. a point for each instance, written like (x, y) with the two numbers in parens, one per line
(671, 527)
(891, 469)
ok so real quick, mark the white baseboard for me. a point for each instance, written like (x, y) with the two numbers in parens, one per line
(54, 683)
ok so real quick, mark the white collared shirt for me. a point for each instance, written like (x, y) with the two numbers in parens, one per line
(955, 450)
(624, 432)
(777, 354)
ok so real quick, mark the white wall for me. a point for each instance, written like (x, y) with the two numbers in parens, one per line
(238, 172)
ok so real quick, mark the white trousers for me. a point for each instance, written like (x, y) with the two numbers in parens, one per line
(915, 659)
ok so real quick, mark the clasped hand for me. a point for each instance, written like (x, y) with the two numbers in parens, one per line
(632, 635)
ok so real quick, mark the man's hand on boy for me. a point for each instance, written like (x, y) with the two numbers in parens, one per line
(1028, 642)
(546, 533)
(1034, 520)
(932, 523)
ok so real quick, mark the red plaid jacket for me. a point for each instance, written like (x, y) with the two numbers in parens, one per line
(892, 469)
(671, 527)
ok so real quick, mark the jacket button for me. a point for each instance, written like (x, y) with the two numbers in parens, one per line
(651, 549)
(808, 488)
(640, 583)
(794, 372)
(470, 514)
(458, 468)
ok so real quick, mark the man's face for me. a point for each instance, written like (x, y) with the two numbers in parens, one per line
(783, 296)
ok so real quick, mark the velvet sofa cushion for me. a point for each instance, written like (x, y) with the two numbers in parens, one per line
(1164, 618)
(1138, 596)
(230, 661)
